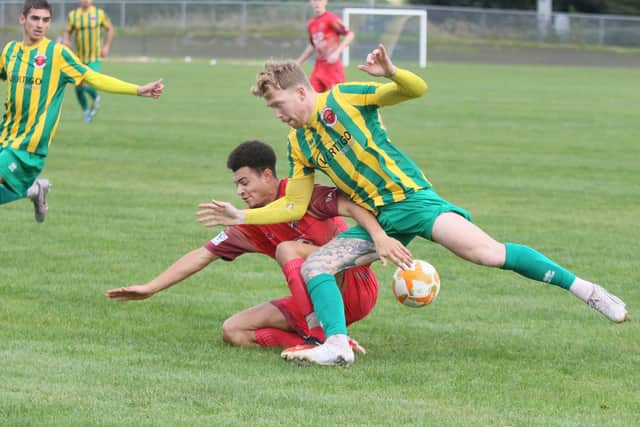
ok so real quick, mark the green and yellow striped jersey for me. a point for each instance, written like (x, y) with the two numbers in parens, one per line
(87, 29)
(346, 140)
(36, 77)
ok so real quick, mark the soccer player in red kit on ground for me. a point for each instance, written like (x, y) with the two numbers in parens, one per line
(287, 321)
(328, 37)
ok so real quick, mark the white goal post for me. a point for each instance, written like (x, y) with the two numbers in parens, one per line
(421, 14)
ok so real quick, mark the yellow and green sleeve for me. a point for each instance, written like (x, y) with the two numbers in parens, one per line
(404, 85)
(290, 207)
(110, 84)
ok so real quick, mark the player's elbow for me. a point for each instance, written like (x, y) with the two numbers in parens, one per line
(419, 89)
(298, 213)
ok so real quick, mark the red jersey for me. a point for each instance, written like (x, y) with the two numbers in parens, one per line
(324, 33)
(319, 224)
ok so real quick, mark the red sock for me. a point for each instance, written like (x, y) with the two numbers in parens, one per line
(272, 337)
(297, 287)
(317, 333)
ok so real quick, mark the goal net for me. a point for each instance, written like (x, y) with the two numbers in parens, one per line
(403, 32)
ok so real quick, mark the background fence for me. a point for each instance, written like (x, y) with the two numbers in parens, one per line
(259, 29)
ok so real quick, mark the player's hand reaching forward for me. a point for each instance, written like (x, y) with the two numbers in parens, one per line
(137, 292)
(378, 63)
(220, 213)
(390, 248)
(152, 89)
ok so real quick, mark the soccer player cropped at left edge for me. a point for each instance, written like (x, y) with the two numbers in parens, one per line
(37, 70)
(340, 133)
(287, 321)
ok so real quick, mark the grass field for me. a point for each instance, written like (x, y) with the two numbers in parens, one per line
(545, 156)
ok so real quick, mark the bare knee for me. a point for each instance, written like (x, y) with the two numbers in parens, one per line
(287, 251)
(487, 254)
(233, 335)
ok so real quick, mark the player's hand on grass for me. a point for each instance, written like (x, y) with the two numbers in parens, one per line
(220, 213)
(378, 63)
(152, 89)
(392, 249)
(129, 293)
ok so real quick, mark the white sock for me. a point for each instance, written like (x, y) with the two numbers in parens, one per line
(581, 289)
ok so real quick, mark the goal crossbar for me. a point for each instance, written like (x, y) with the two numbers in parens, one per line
(420, 13)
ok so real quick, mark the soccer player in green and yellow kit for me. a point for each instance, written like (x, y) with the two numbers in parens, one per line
(339, 133)
(36, 71)
(86, 23)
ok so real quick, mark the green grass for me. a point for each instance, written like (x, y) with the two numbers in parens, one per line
(545, 156)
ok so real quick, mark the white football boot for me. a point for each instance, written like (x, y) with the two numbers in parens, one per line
(337, 350)
(39, 199)
(612, 307)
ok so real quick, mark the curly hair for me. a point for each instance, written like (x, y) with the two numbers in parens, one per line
(279, 76)
(253, 154)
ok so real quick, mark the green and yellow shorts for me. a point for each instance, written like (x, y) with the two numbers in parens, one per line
(409, 218)
(19, 169)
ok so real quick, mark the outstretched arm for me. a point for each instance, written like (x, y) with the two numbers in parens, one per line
(189, 264)
(111, 84)
(290, 207)
(386, 247)
(405, 85)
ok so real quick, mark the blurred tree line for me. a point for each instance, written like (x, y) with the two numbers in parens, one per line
(614, 7)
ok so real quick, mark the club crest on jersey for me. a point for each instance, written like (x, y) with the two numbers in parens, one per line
(40, 60)
(329, 117)
(93, 18)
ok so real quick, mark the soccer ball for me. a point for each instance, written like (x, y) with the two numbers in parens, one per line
(418, 286)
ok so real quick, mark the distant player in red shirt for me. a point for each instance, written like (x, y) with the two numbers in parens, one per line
(287, 321)
(327, 38)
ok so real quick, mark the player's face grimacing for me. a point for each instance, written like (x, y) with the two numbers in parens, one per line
(35, 24)
(288, 106)
(254, 186)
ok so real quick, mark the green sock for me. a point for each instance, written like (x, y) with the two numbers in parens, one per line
(532, 264)
(81, 98)
(93, 93)
(328, 304)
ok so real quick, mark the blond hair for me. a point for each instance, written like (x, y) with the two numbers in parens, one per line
(279, 76)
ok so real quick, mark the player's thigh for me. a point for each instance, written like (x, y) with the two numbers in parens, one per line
(416, 215)
(265, 315)
(467, 240)
(359, 292)
(316, 81)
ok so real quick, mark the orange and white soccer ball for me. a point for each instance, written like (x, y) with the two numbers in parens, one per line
(417, 286)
